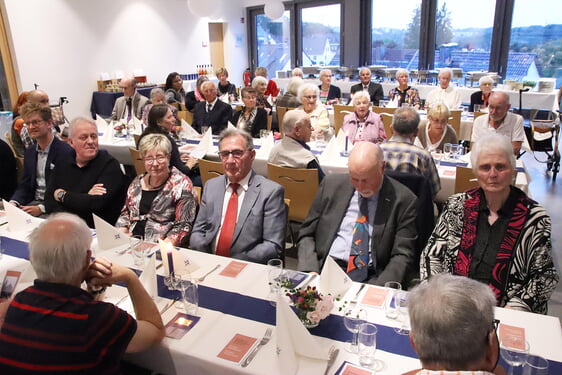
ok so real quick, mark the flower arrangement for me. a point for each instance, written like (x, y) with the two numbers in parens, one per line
(176, 131)
(311, 306)
(119, 129)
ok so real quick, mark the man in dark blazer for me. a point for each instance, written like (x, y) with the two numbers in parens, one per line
(256, 231)
(375, 90)
(131, 103)
(212, 112)
(47, 152)
(328, 229)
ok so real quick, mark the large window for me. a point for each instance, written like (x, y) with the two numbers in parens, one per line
(320, 30)
(273, 42)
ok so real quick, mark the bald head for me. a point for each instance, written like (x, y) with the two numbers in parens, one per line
(366, 168)
(38, 97)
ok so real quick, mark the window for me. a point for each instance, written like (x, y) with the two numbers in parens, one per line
(320, 30)
(273, 42)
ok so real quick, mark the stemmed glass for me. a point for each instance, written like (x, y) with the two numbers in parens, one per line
(352, 319)
(514, 350)
(401, 301)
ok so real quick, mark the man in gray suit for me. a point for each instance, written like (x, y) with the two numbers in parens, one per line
(388, 223)
(131, 103)
(242, 215)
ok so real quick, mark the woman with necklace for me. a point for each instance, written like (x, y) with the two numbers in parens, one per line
(250, 118)
(436, 133)
(160, 203)
(363, 124)
(405, 93)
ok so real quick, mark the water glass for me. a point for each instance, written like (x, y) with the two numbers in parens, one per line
(514, 350)
(274, 273)
(464, 112)
(189, 293)
(320, 140)
(535, 365)
(137, 250)
(367, 340)
(352, 320)
(204, 129)
(437, 156)
(401, 301)
(390, 308)
(477, 107)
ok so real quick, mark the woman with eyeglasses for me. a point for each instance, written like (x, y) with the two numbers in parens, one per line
(250, 118)
(160, 203)
(481, 97)
(310, 103)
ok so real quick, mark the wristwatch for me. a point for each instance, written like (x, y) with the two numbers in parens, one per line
(60, 195)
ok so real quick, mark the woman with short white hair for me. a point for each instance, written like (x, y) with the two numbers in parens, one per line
(363, 124)
(308, 96)
(329, 94)
(289, 98)
(259, 83)
(405, 93)
(481, 97)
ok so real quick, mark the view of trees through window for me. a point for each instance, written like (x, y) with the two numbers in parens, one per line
(273, 42)
(320, 27)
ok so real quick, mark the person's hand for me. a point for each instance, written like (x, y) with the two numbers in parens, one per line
(32, 210)
(97, 189)
(100, 270)
(191, 162)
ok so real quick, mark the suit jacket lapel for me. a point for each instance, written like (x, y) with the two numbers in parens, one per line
(250, 198)
(383, 209)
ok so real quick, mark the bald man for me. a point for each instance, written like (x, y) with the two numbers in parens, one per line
(364, 202)
(131, 103)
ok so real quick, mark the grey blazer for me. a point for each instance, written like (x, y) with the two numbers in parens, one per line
(394, 233)
(259, 234)
(139, 101)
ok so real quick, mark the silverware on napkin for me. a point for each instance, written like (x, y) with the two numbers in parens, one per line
(332, 358)
(264, 340)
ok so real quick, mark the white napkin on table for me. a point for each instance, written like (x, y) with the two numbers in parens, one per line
(266, 146)
(182, 264)
(148, 278)
(27, 278)
(294, 340)
(107, 136)
(333, 280)
(340, 140)
(138, 125)
(393, 103)
(19, 220)
(188, 130)
(225, 98)
(108, 236)
(230, 125)
(331, 153)
(101, 124)
(204, 146)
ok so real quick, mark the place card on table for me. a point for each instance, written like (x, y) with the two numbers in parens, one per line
(180, 324)
(449, 172)
(9, 284)
(506, 330)
(233, 269)
(348, 368)
(237, 348)
(374, 296)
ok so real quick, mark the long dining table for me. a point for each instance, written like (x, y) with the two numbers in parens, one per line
(240, 305)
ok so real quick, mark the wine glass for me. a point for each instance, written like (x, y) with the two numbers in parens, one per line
(401, 302)
(352, 319)
(514, 350)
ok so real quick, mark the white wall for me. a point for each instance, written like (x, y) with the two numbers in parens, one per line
(63, 45)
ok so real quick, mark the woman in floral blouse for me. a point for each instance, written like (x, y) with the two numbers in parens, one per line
(405, 92)
(160, 203)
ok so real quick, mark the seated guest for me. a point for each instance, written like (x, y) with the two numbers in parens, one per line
(55, 326)
(365, 221)
(225, 87)
(292, 151)
(402, 155)
(250, 118)
(289, 99)
(161, 121)
(406, 94)
(41, 98)
(363, 124)
(453, 328)
(481, 97)
(8, 171)
(308, 96)
(445, 93)
(17, 125)
(40, 159)
(195, 96)
(495, 233)
(271, 85)
(160, 202)
(90, 181)
(175, 94)
(260, 85)
(500, 120)
(131, 103)
(374, 89)
(242, 214)
(212, 112)
(329, 94)
(157, 96)
(434, 134)
(297, 72)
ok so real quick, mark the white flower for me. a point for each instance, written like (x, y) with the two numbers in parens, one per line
(324, 306)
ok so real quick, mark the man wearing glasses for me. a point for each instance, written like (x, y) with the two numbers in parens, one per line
(242, 215)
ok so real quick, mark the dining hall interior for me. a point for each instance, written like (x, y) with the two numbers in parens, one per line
(67, 47)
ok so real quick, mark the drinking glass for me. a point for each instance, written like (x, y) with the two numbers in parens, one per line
(367, 339)
(204, 129)
(447, 150)
(464, 112)
(352, 319)
(264, 133)
(401, 301)
(514, 350)
(437, 155)
(535, 365)
(137, 250)
(320, 140)
(390, 308)
(189, 292)
(274, 273)
(477, 107)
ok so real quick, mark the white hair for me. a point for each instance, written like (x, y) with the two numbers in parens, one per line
(360, 95)
(297, 72)
(402, 71)
(257, 80)
(491, 142)
(294, 84)
(485, 79)
(445, 70)
(307, 87)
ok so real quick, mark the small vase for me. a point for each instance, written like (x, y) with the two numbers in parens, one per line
(305, 321)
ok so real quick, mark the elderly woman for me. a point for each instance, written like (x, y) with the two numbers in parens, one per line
(174, 89)
(329, 94)
(495, 233)
(436, 133)
(271, 88)
(250, 118)
(162, 121)
(160, 203)
(289, 98)
(481, 97)
(195, 96)
(260, 85)
(157, 96)
(297, 72)
(363, 124)
(445, 93)
(308, 96)
(404, 92)
(224, 86)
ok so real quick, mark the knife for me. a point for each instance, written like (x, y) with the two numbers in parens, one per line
(168, 305)
(333, 355)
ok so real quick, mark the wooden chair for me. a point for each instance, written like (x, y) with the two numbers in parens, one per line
(136, 137)
(197, 191)
(19, 159)
(210, 169)
(280, 114)
(339, 115)
(269, 122)
(387, 121)
(464, 179)
(186, 115)
(455, 120)
(380, 110)
(478, 114)
(137, 161)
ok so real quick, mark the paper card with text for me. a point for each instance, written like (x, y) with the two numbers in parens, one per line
(516, 333)
(180, 325)
(237, 348)
(348, 368)
(292, 278)
(374, 296)
(233, 269)
(449, 172)
(9, 284)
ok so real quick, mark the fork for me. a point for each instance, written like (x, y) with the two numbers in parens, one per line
(202, 278)
(264, 340)
(354, 300)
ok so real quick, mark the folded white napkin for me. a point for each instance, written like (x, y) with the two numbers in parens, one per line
(230, 125)
(181, 263)
(266, 146)
(19, 220)
(138, 125)
(294, 342)
(331, 153)
(108, 236)
(101, 124)
(148, 278)
(188, 130)
(333, 280)
(107, 136)
(393, 103)
(225, 98)
(204, 146)
(340, 140)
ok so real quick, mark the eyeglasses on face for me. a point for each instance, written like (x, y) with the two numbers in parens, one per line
(159, 159)
(236, 154)
(310, 97)
(35, 122)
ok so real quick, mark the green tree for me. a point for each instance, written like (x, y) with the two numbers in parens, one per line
(412, 36)
(443, 28)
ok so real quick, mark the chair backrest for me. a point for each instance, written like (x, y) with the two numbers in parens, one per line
(478, 114)
(387, 121)
(197, 191)
(269, 122)
(464, 179)
(300, 187)
(455, 120)
(210, 169)
(178, 106)
(339, 114)
(380, 110)
(137, 161)
(280, 114)
(186, 115)
(19, 159)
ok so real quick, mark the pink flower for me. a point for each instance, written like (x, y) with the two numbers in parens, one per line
(313, 316)
(324, 306)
